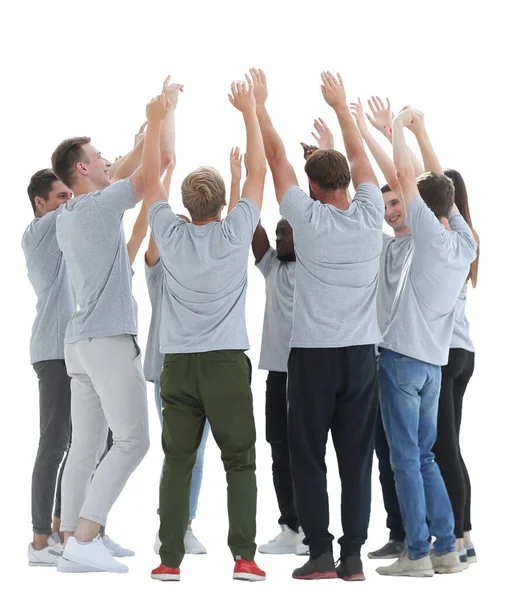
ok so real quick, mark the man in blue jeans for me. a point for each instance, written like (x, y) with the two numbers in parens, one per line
(416, 346)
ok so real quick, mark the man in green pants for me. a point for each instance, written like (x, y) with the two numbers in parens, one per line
(206, 373)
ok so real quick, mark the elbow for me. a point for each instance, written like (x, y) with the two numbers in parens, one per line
(166, 158)
(405, 174)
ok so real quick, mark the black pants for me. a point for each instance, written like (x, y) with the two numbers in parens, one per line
(455, 377)
(54, 437)
(276, 410)
(332, 389)
(390, 500)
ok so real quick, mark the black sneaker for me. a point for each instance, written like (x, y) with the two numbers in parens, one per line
(393, 549)
(471, 554)
(463, 559)
(350, 568)
(321, 567)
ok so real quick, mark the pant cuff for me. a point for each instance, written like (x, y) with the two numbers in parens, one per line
(93, 518)
(38, 531)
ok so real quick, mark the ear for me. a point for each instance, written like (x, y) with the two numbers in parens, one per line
(40, 204)
(82, 168)
(224, 202)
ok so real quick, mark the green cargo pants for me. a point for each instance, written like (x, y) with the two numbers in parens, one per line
(213, 385)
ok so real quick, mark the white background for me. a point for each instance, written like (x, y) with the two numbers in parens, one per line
(88, 69)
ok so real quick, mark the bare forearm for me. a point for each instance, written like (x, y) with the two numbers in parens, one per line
(256, 161)
(130, 162)
(431, 162)
(384, 162)
(167, 143)
(151, 155)
(351, 137)
(273, 144)
(235, 194)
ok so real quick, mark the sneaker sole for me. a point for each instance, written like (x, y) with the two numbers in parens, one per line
(409, 574)
(357, 577)
(248, 577)
(472, 559)
(34, 563)
(383, 556)
(78, 560)
(448, 570)
(166, 577)
(74, 567)
(315, 576)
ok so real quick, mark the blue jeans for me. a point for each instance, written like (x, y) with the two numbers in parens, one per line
(408, 395)
(196, 476)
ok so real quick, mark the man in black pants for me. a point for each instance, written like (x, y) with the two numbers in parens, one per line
(332, 379)
(278, 269)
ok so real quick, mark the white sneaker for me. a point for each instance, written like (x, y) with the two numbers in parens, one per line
(284, 543)
(446, 563)
(92, 554)
(68, 566)
(115, 549)
(47, 557)
(302, 549)
(405, 567)
(191, 543)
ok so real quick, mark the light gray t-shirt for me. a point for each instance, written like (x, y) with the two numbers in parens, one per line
(338, 253)
(90, 234)
(277, 324)
(154, 359)
(48, 274)
(461, 332)
(205, 279)
(437, 264)
(395, 249)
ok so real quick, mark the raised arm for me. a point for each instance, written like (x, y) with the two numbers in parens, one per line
(384, 162)
(402, 160)
(323, 136)
(334, 94)
(157, 110)
(139, 233)
(418, 127)
(242, 98)
(167, 144)
(282, 171)
(235, 163)
(260, 243)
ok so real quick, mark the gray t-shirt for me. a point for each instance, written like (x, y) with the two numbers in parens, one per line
(338, 253)
(205, 279)
(277, 325)
(48, 274)
(394, 253)
(154, 359)
(90, 234)
(436, 266)
(461, 332)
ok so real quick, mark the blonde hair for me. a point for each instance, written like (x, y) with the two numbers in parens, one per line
(203, 193)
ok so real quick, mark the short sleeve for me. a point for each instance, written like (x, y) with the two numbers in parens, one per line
(265, 264)
(242, 221)
(116, 198)
(153, 274)
(296, 207)
(370, 199)
(163, 222)
(425, 227)
(467, 242)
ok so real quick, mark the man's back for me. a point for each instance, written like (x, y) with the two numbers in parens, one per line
(205, 279)
(48, 274)
(338, 253)
(90, 234)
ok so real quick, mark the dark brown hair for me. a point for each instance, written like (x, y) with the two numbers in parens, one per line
(66, 156)
(462, 202)
(329, 169)
(41, 184)
(437, 191)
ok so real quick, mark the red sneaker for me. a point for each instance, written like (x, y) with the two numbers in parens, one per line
(247, 571)
(163, 573)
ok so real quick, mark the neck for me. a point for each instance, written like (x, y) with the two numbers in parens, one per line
(212, 220)
(338, 198)
(85, 186)
(400, 232)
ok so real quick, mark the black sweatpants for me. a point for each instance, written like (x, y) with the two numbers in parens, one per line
(332, 389)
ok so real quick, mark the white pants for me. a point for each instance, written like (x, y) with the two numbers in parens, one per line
(108, 390)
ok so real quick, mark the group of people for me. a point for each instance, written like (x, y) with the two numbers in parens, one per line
(364, 336)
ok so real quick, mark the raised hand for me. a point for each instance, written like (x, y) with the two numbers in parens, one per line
(333, 90)
(140, 135)
(242, 96)
(236, 163)
(417, 125)
(260, 87)
(325, 137)
(382, 116)
(157, 108)
(308, 150)
(171, 91)
(358, 113)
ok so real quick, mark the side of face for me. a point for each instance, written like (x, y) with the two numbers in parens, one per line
(395, 213)
(284, 239)
(59, 194)
(96, 167)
